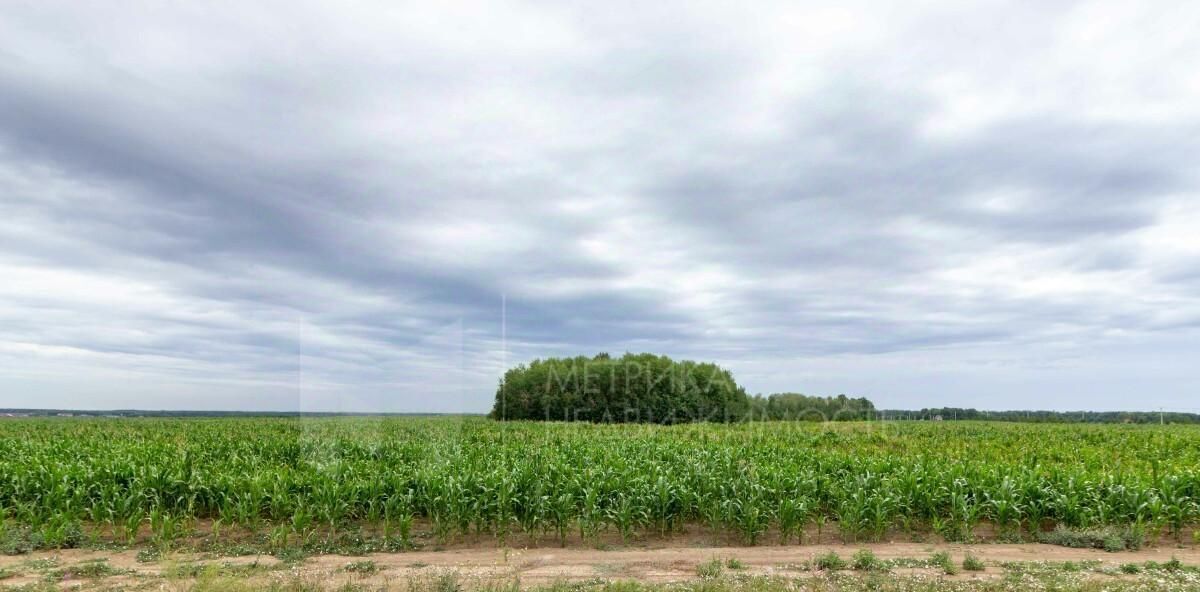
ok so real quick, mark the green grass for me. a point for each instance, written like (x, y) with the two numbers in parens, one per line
(972, 563)
(188, 570)
(149, 555)
(1109, 538)
(942, 561)
(98, 568)
(830, 561)
(42, 564)
(821, 582)
(713, 568)
(361, 567)
(865, 560)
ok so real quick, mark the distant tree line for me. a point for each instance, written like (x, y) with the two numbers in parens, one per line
(798, 407)
(958, 413)
(184, 413)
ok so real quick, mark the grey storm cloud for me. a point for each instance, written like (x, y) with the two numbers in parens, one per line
(379, 206)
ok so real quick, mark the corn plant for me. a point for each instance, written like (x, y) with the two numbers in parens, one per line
(109, 478)
(793, 513)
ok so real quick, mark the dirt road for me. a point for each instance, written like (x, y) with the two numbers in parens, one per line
(547, 565)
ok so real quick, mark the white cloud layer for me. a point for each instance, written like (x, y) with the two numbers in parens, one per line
(315, 206)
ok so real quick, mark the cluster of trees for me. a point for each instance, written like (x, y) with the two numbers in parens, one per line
(798, 407)
(646, 388)
(642, 388)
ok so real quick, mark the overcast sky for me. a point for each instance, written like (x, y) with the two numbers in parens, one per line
(358, 206)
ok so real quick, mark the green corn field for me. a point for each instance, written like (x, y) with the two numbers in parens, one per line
(292, 479)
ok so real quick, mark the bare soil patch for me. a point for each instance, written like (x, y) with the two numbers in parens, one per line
(542, 565)
(534, 566)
